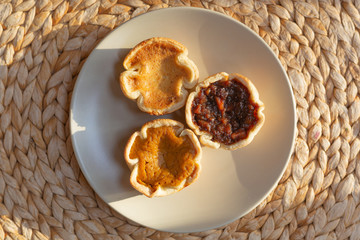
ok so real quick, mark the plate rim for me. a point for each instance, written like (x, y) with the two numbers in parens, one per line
(195, 9)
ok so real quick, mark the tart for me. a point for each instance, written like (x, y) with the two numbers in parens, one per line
(158, 75)
(225, 111)
(163, 158)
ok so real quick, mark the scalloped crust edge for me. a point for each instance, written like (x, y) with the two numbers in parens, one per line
(182, 60)
(133, 163)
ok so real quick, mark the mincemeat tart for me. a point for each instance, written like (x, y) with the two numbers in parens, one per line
(225, 111)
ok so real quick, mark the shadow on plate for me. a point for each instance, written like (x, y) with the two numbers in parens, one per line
(115, 88)
(124, 179)
(118, 149)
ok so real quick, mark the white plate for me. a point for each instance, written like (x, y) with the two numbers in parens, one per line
(232, 182)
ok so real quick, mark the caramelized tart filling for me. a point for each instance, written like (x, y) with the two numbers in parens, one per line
(159, 77)
(164, 159)
(224, 109)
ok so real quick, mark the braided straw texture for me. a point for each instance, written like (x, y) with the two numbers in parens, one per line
(43, 44)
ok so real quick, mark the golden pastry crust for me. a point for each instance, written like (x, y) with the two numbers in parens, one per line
(206, 138)
(163, 158)
(158, 74)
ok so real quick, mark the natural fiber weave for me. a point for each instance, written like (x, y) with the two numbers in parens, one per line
(43, 194)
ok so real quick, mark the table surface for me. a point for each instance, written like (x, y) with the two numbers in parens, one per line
(43, 44)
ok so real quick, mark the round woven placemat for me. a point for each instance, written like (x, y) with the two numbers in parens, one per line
(43, 194)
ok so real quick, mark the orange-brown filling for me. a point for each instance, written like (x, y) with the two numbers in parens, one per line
(159, 77)
(164, 158)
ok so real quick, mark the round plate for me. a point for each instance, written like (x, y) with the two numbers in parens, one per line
(231, 182)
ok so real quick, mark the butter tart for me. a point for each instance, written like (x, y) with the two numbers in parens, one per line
(158, 75)
(163, 158)
(225, 111)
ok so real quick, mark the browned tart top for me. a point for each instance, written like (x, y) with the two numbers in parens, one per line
(158, 74)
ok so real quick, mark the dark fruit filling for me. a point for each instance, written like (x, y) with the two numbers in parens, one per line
(224, 110)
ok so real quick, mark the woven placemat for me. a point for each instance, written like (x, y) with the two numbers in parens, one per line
(43, 44)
